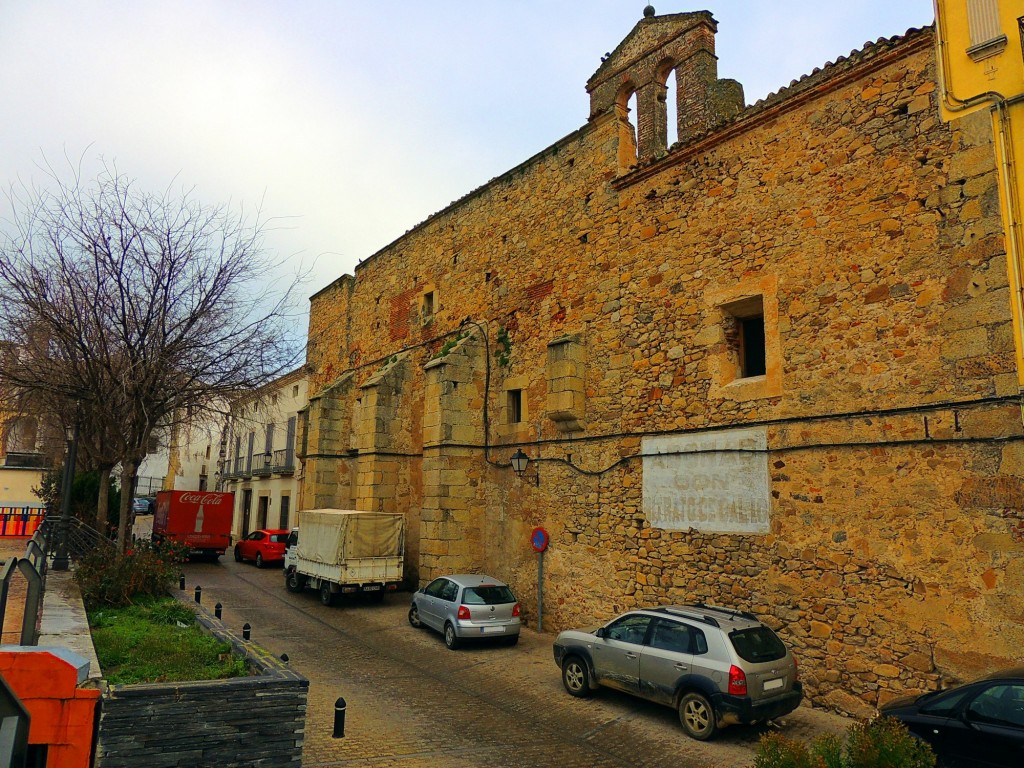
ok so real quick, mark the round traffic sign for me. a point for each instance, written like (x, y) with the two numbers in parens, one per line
(539, 539)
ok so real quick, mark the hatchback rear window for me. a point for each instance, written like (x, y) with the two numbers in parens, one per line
(487, 595)
(278, 538)
(757, 645)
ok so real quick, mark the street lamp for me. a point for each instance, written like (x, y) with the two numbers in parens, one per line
(60, 559)
(519, 462)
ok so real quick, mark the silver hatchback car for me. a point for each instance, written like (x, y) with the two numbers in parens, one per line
(714, 665)
(467, 607)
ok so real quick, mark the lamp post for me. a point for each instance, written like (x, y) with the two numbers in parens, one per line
(60, 559)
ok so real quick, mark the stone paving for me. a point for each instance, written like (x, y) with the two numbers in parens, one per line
(412, 703)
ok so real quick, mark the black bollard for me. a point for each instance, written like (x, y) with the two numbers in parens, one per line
(284, 657)
(339, 719)
(199, 594)
(181, 582)
(217, 609)
(246, 631)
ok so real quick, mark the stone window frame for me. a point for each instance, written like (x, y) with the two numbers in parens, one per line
(519, 428)
(429, 304)
(727, 379)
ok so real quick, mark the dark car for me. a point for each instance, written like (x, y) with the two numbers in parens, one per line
(976, 724)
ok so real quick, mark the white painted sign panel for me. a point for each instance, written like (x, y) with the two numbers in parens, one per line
(713, 482)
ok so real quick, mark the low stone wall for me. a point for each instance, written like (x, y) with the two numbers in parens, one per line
(245, 721)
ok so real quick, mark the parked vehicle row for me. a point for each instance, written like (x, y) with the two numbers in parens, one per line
(714, 666)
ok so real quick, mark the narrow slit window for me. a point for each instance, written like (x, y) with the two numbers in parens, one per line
(515, 406)
(428, 304)
(752, 346)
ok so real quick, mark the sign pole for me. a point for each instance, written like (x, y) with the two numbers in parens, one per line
(540, 591)
(539, 541)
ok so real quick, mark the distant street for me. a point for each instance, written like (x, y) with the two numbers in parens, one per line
(412, 703)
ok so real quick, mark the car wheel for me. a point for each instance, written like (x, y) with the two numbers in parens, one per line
(450, 638)
(697, 716)
(259, 559)
(414, 617)
(294, 582)
(576, 677)
(238, 555)
(326, 596)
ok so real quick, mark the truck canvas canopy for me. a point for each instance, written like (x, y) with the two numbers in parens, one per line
(332, 536)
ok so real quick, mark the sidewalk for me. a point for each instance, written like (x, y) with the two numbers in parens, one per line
(64, 623)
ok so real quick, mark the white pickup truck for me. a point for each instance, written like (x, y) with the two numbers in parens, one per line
(343, 551)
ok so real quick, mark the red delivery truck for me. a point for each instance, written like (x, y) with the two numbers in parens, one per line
(201, 520)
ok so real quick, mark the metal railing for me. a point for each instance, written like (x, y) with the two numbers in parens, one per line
(32, 568)
(81, 539)
(284, 461)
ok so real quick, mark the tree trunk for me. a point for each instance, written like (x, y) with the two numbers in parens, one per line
(103, 501)
(128, 472)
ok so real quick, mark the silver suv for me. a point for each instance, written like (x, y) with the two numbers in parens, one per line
(714, 665)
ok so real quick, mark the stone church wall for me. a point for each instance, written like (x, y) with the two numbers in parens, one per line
(863, 494)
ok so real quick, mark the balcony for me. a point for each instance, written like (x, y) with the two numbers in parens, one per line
(284, 462)
(24, 460)
(261, 466)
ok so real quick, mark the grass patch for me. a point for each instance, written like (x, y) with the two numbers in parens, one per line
(145, 643)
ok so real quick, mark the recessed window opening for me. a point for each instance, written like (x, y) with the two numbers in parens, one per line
(671, 109)
(748, 337)
(515, 405)
(428, 304)
(631, 114)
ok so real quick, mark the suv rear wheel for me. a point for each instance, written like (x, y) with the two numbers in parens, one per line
(576, 677)
(697, 716)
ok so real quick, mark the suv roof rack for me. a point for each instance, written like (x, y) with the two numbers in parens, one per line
(728, 611)
(701, 612)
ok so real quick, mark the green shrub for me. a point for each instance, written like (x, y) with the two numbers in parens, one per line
(882, 743)
(142, 572)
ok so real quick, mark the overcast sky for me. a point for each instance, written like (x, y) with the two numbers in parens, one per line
(352, 121)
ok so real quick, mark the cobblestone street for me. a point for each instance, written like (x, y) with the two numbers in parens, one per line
(413, 703)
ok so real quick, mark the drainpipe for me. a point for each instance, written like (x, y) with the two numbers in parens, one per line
(1004, 157)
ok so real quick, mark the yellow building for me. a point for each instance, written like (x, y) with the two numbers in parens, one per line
(981, 67)
(259, 455)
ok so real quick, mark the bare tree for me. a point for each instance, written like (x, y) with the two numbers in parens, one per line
(132, 307)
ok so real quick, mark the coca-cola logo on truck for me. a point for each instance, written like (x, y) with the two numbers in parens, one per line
(202, 498)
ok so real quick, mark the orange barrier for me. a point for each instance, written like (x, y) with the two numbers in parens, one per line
(20, 522)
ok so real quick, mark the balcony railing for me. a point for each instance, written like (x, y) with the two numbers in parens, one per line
(284, 461)
(23, 460)
(261, 465)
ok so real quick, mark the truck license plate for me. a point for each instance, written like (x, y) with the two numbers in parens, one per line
(371, 588)
(490, 630)
(771, 685)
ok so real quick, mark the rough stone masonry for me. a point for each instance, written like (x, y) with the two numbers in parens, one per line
(768, 367)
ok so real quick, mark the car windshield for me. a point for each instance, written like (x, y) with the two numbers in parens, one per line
(487, 595)
(278, 538)
(757, 644)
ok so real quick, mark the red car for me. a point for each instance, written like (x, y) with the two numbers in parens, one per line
(262, 546)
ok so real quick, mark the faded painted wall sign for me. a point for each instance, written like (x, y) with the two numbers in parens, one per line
(712, 482)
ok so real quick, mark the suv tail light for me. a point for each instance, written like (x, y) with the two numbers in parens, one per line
(515, 609)
(463, 612)
(737, 681)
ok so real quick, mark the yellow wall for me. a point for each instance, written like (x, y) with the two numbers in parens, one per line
(977, 75)
(16, 486)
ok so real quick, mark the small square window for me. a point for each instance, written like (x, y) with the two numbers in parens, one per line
(514, 404)
(295, 390)
(428, 305)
